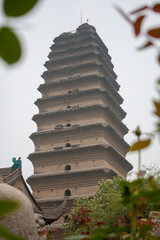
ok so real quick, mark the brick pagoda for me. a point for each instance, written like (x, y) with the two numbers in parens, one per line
(80, 133)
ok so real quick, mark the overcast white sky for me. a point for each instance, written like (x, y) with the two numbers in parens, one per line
(137, 71)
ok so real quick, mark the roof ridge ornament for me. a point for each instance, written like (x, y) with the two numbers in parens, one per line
(17, 163)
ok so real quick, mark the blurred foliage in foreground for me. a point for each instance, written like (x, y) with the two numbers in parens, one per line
(10, 46)
(7, 206)
(116, 211)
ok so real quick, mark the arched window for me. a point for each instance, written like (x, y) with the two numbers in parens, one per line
(68, 144)
(67, 193)
(68, 125)
(68, 106)
(67, 167)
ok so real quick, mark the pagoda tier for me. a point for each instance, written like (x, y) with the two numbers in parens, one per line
(79, 138)
(64, 85)
(84, 59)
(66, 182)
(80, 135)
(82, 98)
(84, 69)
(79, 43)
(75, 116)
(73, 181)
(93, 155)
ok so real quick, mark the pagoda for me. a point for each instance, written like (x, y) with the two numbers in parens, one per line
(80, 133)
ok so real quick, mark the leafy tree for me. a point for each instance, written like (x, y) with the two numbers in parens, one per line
(152, 171)
(113, 202)
(104, 207)
(121, 207)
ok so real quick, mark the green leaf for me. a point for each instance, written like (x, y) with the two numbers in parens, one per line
(10, 49)
(5, 234)
(130, 191)
(152, 195)
(140, 145)
(16, 8)
(100, 233)
(143, 231)
(7, 206)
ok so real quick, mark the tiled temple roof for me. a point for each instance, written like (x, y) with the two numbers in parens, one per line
(49, 215)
